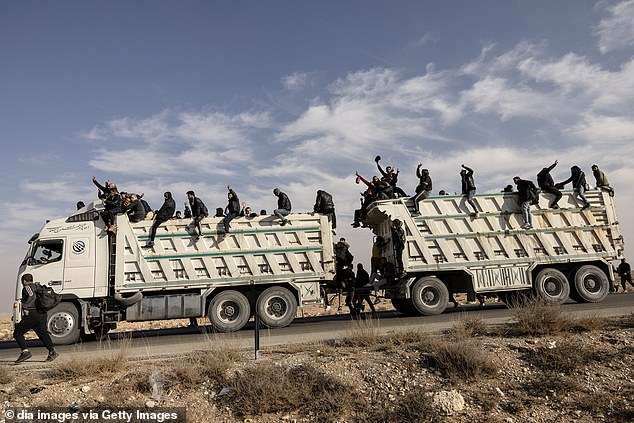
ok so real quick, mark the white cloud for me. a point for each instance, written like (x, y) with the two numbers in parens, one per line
(295, 81)
(616, 31)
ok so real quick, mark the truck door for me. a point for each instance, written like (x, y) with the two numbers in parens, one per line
(47, 263)
(79, 272)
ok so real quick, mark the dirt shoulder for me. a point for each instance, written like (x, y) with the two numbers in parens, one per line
(544, 367)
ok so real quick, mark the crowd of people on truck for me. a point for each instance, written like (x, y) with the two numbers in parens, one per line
(385, 188)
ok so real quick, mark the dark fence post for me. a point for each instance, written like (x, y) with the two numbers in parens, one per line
(257, 336)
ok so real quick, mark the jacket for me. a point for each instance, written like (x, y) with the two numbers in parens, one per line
(527, 191)
(601, 179)
(544, 179)
(577, 177)
(468, 183)
(135, 211)
(424, 183)
(198, 208)
(283, 201)
(362, 279)
(233, 207)
(28, 297)
(390, 178)
(323, 203)
(168, 208)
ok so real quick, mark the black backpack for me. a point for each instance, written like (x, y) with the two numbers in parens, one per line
(45, 297)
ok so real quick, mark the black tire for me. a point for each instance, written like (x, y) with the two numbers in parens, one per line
(551, 286)
(591, 284)
(429, 296)
(276, 307)
(229, 311)
(62, 323)
(405, 306)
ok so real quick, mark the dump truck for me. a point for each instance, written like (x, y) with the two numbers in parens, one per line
(448, 249)
(108, 278)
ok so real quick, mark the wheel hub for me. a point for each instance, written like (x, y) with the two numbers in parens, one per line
(552, 287)
(276, 307)
(428, 296)
(61, 323)
(229, 311)
(590, 283)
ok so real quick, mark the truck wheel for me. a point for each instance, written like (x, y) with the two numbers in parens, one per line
(430, 296)
(229, 311)
(276, 307)
(551, 286)
(63, 324)
(405, 306)
(591, 285)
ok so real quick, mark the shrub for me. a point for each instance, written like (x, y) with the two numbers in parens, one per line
(270, 388)
(459, 361)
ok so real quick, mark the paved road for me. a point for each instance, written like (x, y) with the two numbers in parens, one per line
(169, 342)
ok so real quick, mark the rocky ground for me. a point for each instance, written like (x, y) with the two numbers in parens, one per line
(544, 367)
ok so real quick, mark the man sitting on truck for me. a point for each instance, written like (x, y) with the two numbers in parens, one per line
(602, 180)
(527, 196)
(423, 190)
(578, 179)
(164, 214)
(546, 184)
(390, 178)
(283, 206)
(199, 212)
(325, 205)
(232, 210)
(468, 187)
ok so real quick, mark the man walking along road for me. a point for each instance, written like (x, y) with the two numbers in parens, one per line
(625, 272)
(283, 206)
(32, 318)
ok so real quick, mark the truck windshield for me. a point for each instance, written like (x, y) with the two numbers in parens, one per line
(48, 251)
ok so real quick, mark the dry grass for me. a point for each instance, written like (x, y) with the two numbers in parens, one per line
(459, 361)
(88, 365)
(362, 334)
(535, 318)
(271, 388)
(413, 407)
(468, 327)
(6, 375)
(548, 383)
(561, 357)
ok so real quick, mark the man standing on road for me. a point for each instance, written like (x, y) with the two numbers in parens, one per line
(32, 318)
(625, 272)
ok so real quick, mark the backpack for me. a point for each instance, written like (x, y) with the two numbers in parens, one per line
(46, 298)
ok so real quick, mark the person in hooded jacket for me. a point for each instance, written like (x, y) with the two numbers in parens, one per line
(232, 210)
(527, 196)
(199, 212)
(578, 179)
(468, 186)
(325, 205)
(546, 184)
(424, 186)
(187, 212)
(390, 178)
(163, 214)
(283, 206)
(602, 180)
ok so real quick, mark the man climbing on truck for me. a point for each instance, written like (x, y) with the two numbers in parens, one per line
(423, 190)
(199, 212)
(164, 214)
(283, 206)
(527, 196)
(547, 184)
(468, 187)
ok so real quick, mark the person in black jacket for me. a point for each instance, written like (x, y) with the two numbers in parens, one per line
(325, 205)
(625, 272)
(468, 187)
(398, 242)
(391, 179)
(134, 209)
(527, 196)
(164, 214)
(32, 318)
(199, 212)
(424, 186)
(187, 212)
(283, 206)
(546, 184)
(232, 210)
(578, 179)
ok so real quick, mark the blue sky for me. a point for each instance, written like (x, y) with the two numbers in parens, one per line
(159, 95)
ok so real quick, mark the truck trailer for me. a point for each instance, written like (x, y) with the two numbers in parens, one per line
(448, 249)
(106, 278)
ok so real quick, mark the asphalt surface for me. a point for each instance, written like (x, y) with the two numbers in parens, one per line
(156, 344)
